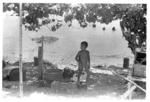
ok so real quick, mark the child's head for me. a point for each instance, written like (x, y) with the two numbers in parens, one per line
(84, 45)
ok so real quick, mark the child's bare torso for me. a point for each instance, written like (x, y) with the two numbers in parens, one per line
(84, 59)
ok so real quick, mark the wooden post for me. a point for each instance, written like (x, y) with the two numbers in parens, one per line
(20, 54)
(129, 84)
(36, 62)
(40, 59)
(126, 62)
(128, 92)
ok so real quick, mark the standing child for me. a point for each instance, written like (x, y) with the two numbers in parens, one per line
(83, 59)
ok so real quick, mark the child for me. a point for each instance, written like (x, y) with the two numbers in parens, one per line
(83, 59)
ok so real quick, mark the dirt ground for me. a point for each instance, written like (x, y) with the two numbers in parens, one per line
(100, 84)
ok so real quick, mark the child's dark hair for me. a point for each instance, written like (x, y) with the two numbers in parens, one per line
(84, 43)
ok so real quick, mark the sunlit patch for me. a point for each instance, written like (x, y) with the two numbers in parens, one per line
(41, 96)
(101, 71)
(74, 4)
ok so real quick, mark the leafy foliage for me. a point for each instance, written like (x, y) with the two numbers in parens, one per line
(11, 6)
(133, 26)
(132, 17)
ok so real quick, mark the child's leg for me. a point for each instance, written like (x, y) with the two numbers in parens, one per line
(78, 79)
(79, 75)
(88, 76)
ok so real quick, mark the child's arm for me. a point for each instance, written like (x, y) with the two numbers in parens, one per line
(88, 60)
(77, 57)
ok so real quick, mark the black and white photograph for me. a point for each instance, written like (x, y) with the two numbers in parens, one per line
(74, 50)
